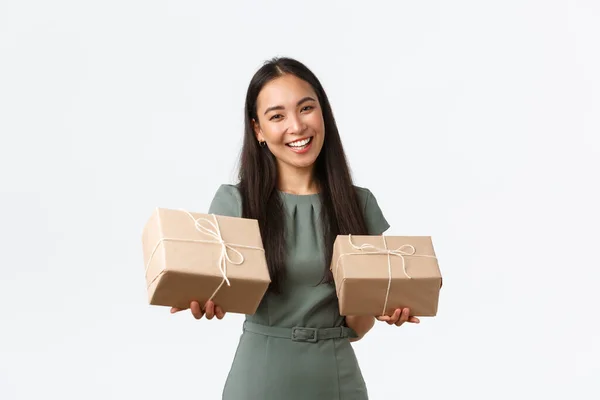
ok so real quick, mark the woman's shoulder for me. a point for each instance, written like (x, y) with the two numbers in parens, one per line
(376, 222)
(227, 201)
(229, 188)
(364, 194)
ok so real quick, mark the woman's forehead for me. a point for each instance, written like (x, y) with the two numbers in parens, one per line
(286, 90)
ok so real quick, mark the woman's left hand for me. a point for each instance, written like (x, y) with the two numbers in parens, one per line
(400, 316)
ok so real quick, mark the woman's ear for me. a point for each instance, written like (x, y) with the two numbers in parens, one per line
(257, 131)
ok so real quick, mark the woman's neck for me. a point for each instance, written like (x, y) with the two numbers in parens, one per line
(296, 180)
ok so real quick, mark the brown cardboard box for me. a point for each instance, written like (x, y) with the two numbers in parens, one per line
(185, 260)
(362, 275)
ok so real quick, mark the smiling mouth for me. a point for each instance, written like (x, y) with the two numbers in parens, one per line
(300, 144)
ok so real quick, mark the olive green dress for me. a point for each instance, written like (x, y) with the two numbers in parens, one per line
(277, 358)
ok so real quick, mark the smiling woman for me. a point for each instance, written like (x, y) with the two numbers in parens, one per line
(294, 179)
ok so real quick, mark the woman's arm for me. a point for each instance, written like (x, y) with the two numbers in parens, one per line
(360, 324)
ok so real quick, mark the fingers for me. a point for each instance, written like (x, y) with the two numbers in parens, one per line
(391, 319)
(209, 309)
(403, 316)
(395, 317)
(400, 316)
(196, 310)
(219, 312)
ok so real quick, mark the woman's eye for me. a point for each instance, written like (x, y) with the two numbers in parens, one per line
(276, 116)
(306, 108)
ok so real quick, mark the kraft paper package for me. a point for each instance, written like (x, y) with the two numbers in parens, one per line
(193, 256)
(374, 275)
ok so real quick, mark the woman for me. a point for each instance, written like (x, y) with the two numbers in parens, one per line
(295, 181)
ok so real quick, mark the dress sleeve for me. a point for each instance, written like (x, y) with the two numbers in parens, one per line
(374, 218)
(226, 202)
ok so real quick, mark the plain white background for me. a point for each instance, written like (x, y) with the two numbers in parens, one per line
(474, 122)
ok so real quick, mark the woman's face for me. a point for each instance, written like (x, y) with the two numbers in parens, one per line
(290, 121)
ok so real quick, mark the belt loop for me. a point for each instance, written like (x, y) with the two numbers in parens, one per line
(301, 334)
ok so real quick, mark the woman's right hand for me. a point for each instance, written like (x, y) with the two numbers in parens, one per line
(210, 310)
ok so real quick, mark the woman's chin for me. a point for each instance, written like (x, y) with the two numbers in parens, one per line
(304, 164)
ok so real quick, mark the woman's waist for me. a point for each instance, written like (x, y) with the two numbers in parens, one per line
(299, 332)
(294, 318)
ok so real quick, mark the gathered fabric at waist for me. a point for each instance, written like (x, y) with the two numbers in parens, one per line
(300, 333)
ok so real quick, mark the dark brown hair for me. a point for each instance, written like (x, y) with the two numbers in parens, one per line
(340, 212)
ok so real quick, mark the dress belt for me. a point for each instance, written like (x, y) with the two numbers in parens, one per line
(300, 333)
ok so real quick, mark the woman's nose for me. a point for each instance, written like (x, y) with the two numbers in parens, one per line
(296, 125)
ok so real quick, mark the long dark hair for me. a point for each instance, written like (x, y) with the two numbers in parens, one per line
(340, 211)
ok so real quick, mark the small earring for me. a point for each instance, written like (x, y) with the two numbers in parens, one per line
(262, 143)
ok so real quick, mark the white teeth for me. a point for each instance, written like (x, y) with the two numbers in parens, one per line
(299, 143)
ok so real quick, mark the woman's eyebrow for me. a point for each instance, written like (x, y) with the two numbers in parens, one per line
(303, 100)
